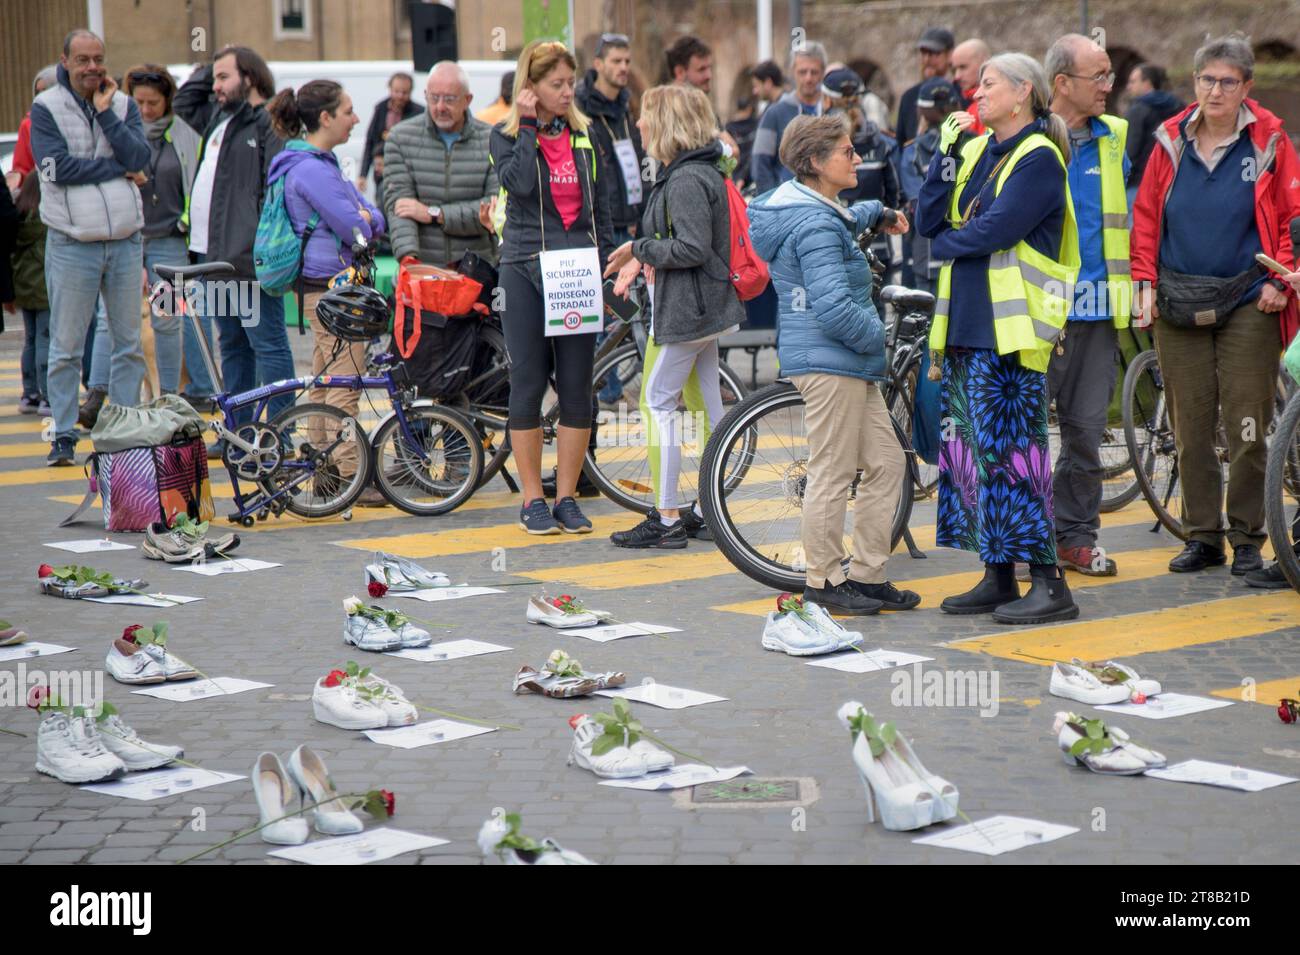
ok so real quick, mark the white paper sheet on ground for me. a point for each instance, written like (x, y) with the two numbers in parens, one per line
(1220, 774)
(139, 600)
(617, 631)
(222, 565)
(663, 695)
(426, 734)
(449, 650)
(992, 837)
(161, 783)
(91, 546)
(679, 777)
(359, 849)
(23, 651)
(868, 662)
(200, 689)
(436, 594)
(1164, 706)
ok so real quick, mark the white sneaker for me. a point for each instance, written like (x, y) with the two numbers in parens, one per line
(539, 611)
(276, 793)
(333, 818)
(656, 759)
(367, 634)
(824, 623)
(402, 576)
(496, 829)
(173, 667)
(1076, 683)
(394, 704)
(70, 750)
(341, 706)
(1135, 682)
(124, 743)
(619, 763)
(412, 637)
(128, 663)
(782, 632)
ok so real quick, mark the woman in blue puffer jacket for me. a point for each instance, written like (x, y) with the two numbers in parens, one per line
(832, 346)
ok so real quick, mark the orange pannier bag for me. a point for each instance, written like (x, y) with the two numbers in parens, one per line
(428, 288)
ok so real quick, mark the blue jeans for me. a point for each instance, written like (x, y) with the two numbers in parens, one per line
(101, 350)
(169, 250)
(75, 274)
(36, 352)
(254, 342)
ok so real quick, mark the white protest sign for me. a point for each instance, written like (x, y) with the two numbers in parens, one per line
(571, 287)
(631, 169)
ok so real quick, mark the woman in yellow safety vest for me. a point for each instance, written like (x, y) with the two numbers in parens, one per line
(999, 214)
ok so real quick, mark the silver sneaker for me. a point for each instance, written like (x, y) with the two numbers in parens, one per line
(135, 753)
(367, 634)
(167, 544)
(401, 576)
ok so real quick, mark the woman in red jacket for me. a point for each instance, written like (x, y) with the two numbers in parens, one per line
(1222, 185)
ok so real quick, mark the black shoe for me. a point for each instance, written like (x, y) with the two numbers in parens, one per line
(536, 518)
(997, 588)
(1245, 558)
(201, 405)
(1268, 578)
(1048, 600)
(695, 526)
(585, 486)
(570, 517)
(843, 599)
(63, 453)
(890, 596)
(88, 413)
(1197, 556)
(652, 533)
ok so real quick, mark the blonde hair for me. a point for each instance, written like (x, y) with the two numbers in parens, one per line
(537, 60)
(678, 118)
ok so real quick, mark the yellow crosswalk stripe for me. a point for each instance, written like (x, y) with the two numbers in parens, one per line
(472, 540)
(1270, 692)
(1128, 635)
(660, 569)
(37, 449)
(30, 425)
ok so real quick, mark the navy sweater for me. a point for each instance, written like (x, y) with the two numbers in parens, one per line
(1031, 206)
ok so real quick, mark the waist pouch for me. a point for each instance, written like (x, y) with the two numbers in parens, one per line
(1200, 301)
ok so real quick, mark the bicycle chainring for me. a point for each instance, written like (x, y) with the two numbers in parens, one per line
(265, 458)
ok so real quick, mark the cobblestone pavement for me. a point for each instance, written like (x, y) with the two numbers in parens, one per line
(1197, 634)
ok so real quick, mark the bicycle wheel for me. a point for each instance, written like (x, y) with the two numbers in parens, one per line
(1149, 435)
(325, 460)
(752, 485)
(620, 465)
(439, 472)
(901, 404)
(1119, 484)
(1280, 481)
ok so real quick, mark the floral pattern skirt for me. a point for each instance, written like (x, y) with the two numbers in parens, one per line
(995, 468)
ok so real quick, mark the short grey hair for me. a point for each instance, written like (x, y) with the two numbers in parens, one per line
(812, 49)
(80, 32)
(48, 77)
(1060, 58)
(461, 76)
(811, 138)
(1233, 49)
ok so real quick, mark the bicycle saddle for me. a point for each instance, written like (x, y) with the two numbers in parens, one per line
(906, 299)
(168, 273)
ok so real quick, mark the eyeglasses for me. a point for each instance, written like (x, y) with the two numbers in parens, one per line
(451, 99)
(848, 152)
(1104, 80)
(145, 77)
(611, 39)
(1206, 84)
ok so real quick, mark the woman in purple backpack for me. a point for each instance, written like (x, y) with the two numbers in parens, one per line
(314, 121)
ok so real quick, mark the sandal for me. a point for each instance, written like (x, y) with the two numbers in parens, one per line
(401, 575)
(565, 687)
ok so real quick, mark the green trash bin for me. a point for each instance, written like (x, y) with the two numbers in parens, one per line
(385, 282)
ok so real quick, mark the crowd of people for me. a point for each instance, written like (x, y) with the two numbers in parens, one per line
(1043, 225)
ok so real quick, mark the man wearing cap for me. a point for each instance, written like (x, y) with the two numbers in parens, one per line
(935, 48)
(1082, 373)
(808, 64)
(967, 60)
(936, 99)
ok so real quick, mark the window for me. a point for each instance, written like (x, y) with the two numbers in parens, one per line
(292, 19)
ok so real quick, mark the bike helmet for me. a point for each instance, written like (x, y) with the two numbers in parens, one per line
(354, 313)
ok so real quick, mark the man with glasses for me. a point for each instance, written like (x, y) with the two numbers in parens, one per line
(89, 146)
(1082, 373)
(437, 176)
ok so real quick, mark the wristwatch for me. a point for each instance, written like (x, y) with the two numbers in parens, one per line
(435, 212)
(1278, 284)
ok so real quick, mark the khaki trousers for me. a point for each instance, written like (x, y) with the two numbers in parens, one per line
(849, 429)
(351, 360)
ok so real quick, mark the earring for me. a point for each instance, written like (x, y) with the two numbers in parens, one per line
(1016, 111)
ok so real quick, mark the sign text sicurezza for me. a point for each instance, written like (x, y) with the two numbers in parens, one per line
(571, 286)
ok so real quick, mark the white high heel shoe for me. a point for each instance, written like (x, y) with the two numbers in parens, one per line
(945, 793)
(332, 818)
(275, 793)
(904, 801)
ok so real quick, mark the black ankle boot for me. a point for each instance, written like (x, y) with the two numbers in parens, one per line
(997, 588)
(88, 413)
(1048, 599)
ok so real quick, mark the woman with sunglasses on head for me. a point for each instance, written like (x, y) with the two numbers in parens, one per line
(546, 165)
(1221, 186)
(164, 191)
(998, 211)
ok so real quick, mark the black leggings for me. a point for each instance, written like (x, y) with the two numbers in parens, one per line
(533, 356)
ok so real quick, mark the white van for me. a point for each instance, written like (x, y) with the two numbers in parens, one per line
(366, 81)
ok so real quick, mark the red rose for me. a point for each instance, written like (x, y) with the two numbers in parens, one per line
(36, 696)
(575, 720)
(1284, 712)
(129, 633)
(45, 570)
(787, 602)
(390, 801)
(334, 678)
(376, 589)
(1139, 697)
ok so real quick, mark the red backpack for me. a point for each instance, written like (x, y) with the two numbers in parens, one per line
(746, 271)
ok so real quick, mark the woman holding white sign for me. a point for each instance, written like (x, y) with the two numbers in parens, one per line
(554, 244)
(685, 244)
